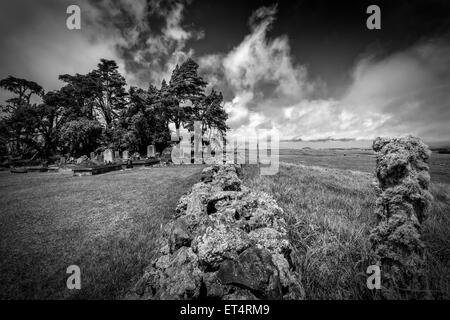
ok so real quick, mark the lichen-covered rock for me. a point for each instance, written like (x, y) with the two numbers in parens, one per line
(219, 242)
(171, 277)
(179, 235)
(225, 242)
(253, 270)
(402, 204)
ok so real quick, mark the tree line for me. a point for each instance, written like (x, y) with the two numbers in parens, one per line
(95, 111)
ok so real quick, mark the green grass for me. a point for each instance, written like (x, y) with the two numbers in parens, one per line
(106, 224)
(357, 159)
(330, 213)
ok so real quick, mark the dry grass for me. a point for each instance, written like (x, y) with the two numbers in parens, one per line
(330, 213)
(106, 224)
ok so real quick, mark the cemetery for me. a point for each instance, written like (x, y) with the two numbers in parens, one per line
(108, 161)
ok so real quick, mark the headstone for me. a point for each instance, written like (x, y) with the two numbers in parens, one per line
(117, 154)
(92, 155)
(108, 156)
(174, 137)
(151, 151)
(125, 155)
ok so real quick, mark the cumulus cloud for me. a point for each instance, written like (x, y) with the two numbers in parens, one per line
(405, 92)
(258, 75)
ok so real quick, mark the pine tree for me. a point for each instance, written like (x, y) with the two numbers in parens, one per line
(185, 86)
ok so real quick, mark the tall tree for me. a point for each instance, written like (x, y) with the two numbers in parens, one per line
(210, 112)
(186, 87)
(77, 96)
(146, 120)
(109, 91)
(19, 116)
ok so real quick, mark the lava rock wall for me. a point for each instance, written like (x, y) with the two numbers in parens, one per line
(225, 242)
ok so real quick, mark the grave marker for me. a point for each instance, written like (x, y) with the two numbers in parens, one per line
(108, 156)
(125, 155)
(151, 151)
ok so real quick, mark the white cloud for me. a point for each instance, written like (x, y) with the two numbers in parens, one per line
(405, 92)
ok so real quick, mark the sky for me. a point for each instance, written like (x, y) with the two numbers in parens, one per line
(307, 69)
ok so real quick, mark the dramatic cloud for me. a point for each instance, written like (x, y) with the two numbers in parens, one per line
(260, 75)
(146, 38)
(410, 89)
(264, 86)
(406, 92)
(149, 36)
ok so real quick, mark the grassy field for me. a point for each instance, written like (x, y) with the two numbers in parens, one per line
(106, 224)
(358, 159)
(330, 213)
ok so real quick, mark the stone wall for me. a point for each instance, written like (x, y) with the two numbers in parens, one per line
(225, 242)
(402, 203)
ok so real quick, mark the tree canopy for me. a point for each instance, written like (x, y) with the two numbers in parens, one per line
(96, 110)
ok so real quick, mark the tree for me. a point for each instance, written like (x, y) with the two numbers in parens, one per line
(146, 121)
(24, 89)
(19, 118)
(33, 127)
(185, 85)
(108, 89)
(210, 112)
(77, 96)
(79, 137)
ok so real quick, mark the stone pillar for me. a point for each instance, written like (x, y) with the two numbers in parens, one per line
(402, 203)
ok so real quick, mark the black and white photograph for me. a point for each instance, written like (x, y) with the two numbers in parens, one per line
(209, 150)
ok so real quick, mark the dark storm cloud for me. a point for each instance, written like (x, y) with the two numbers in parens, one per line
(150, 35)
(147, 38)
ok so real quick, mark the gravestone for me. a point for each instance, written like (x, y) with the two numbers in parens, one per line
(92, 155)
(108, 156)
(151, 151)
(117, 154)
(174, 137)
(125, 155)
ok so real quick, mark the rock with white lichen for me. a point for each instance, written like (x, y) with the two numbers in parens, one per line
(402, 205)
(225, 242)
